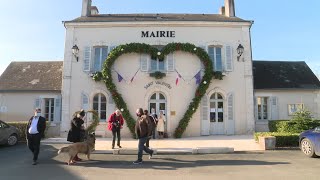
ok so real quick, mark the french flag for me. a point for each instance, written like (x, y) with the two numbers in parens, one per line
(178, 77)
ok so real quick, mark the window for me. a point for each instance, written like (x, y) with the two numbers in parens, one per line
(262, 103)
(292, 108)
(100, 55)
(216, 108)
(49, 109)
(156, 64)
(215, 54)
(100, 106)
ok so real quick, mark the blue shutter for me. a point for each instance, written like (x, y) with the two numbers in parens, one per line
(57, 109)
(274, 108)
(205, 49)
(170, 62)
(37, 103)
(144, 62)
(230, 122)
(228, 59)
(87, 59)
(205, 123)
(85, 101)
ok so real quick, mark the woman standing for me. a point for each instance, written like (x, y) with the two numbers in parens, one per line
(161, 123)
(76, 132)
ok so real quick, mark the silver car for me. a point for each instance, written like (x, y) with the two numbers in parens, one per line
(8, 134)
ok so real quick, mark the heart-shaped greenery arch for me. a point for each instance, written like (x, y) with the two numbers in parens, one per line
(140, 48)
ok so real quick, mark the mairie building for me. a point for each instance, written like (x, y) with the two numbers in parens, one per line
(195, 68)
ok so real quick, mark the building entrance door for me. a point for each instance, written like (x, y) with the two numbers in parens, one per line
(159, 103)
(216, 114)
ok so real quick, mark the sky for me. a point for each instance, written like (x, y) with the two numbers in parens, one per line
(289, 30)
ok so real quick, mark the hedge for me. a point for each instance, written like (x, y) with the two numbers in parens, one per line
(290, 126)
(22, 127)
(283, 139)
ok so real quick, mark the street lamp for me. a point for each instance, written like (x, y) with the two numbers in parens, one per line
(75, 52)
(240, 50)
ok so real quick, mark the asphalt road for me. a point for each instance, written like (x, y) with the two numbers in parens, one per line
(15, 163)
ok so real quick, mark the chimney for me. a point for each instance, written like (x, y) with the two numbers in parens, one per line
(229, 8)
(222, 11)
(86, 8)
(94, 10)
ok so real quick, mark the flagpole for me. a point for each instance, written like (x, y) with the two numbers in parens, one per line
(180, 75)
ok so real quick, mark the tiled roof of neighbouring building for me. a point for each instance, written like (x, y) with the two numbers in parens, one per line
(35, 76)
(284, 75)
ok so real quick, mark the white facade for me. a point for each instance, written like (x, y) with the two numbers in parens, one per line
(236, 88)
(280, 105)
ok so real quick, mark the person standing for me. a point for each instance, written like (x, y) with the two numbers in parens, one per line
(34, 132)
(76, 132)
(143, 130)
(154, 117)
(152, 124)
(115, 123)
(161, 124)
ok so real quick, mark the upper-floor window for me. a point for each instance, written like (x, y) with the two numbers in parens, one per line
(156, 64)
(100, 55)
(215, 54)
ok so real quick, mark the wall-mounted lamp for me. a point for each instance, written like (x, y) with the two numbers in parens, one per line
(75, 52)
(240, 50)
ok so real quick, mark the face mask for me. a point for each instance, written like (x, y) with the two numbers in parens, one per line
(37, 114)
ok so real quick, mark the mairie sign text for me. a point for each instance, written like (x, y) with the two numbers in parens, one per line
(150, 34)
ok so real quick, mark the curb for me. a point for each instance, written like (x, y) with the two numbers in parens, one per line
(169, 151)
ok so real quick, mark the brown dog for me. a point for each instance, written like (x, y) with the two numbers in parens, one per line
(85, 147)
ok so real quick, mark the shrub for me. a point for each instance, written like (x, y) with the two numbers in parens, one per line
(302, 120)
(22, 127)
(283, 139)
(279, 126)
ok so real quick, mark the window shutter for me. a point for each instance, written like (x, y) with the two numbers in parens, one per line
(85, 101)
(230, 107)
(170, 62)
(87, 59)
(144, 62)
(57, 109)
(228, 62)
(255, 108)
(37, 103)
(230, 123)
(274, 108)
(205, 49)
(111, 106)
(205, 123)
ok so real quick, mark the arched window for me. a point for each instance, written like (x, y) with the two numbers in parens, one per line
(216, 108)
(100, 106)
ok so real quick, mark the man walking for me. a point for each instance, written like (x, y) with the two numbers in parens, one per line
(35, 131)
(143, 130)
(115, 123)
(151, 123)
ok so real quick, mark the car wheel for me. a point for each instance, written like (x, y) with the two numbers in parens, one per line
(307, 148)
(12, 139)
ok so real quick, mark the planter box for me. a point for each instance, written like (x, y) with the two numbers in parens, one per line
(267, 142)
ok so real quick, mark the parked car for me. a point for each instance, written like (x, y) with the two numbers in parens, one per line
(8, 134)
(310, 142)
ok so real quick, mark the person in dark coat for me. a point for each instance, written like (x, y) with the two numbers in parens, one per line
(152, 125)
(34, 132)
(143, 131)
(115, 124)
(76, 132)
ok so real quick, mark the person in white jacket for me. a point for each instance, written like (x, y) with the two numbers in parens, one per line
(161, 124)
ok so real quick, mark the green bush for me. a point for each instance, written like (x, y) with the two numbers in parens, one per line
(279, 126)
(22, 127)
(283, 139)
(302, 120)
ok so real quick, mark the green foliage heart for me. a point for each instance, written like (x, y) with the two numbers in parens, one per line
(141, 48)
